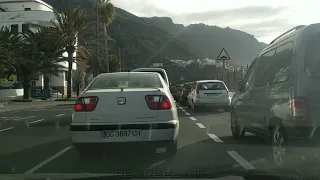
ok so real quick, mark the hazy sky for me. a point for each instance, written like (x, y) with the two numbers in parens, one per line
(263, 19)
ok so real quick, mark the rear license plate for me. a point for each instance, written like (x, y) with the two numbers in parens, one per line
(213, 94)
(128, 133)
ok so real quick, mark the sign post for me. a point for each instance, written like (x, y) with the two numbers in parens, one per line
(223, 56)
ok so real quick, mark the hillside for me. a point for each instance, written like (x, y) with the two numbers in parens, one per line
(157, 39)
(241, 46)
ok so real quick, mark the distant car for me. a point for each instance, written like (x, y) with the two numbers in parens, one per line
(184, 92)
(126, 108)
(161, 71)
(209, 93)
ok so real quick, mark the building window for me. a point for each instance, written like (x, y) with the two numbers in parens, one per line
(25, 28)
(27, 9)
(15, 28)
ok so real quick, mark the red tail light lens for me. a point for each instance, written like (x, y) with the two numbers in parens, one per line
(158, 102)
(300, 109)
(86, 104)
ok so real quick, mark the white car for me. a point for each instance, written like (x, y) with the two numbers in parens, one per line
(161, 71)
(127, 108)
(209, 93)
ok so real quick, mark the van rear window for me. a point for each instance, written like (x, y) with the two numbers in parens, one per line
(312, 56)
(212, 86)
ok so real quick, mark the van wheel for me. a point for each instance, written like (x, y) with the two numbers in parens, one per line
(236, 129)
(194, 107)
(280, 154)
(188, 104)
(172, 149)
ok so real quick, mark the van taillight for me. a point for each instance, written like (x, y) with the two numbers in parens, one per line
(300, 109)
(86, 103)
(158, 102)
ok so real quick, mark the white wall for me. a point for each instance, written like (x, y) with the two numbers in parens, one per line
(58, 80)
(39, 82)
(20, 6)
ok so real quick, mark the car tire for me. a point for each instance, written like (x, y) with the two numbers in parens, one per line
(194, 108)
(172, 149)
(188, 104)
(236, 129)
(280, 155)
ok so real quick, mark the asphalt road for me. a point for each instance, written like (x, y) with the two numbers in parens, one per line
(38, 141)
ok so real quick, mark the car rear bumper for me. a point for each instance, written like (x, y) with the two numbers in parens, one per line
(213, 102)
(125, 148)
(164, 131)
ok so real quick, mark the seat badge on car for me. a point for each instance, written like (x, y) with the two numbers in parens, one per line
(121, 100)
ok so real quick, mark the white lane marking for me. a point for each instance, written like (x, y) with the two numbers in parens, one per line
(156, 164)
(200, 125)
(183, 110)
(180, 108)
(43, 163)
(188, 114)
(59, 115)
(243, 162)
(1, 130)
(36, 121)
(193, 118)
(215, 138)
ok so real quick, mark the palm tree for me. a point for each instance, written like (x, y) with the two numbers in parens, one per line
(40, 54)
(72, 26)
(106, 14)
(9, 47)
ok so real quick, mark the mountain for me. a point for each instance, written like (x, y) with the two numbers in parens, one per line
(241, 46)
(158, 39)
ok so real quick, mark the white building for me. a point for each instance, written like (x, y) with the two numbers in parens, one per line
(16, 14)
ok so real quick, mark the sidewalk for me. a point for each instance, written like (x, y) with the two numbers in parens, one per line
(14, 106)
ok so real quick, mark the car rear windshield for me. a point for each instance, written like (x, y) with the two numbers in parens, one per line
(312, 56)
(212, 86)
(126, 80)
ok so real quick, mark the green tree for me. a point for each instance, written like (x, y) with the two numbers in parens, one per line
(40, 53)
(106, 15)
(72, 25)
(9, 47)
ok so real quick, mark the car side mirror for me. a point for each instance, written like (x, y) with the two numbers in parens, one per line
(240, 85)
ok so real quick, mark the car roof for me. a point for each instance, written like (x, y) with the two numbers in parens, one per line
(203, 81)
(103, 74)
(146, 69)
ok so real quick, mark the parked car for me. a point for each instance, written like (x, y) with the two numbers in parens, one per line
(161, 71)
(279, 97)
(129, 108)
(177, 91)
(185, 90)
(209, 93)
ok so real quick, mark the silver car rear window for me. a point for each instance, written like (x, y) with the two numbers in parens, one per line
(126, 80)
(212, 86)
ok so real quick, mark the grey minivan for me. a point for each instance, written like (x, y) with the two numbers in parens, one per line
(279, 98)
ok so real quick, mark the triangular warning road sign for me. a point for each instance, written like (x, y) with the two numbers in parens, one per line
(223, 55)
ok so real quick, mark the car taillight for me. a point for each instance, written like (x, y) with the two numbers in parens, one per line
(300, 109)
(86, 103)
(158, 102)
